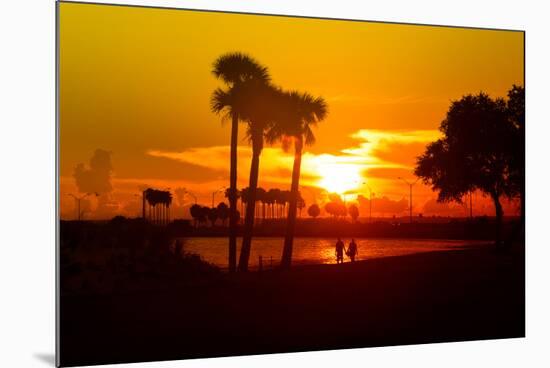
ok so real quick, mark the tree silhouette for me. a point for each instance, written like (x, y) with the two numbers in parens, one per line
(270, 197)
(298, 113)
(516, 114)
(234, 69)
(261, 197)
(195, 212)
(213, 215)
(336, 209)
(475, 153)
(314, 210)
(203, 214)
(301, 203)
(353, 212)
(260, 114)
(285, 199)
(279, 202)
(223, 212)
(159, 202)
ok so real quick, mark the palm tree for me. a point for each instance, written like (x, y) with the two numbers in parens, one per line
(277, 199)
(260, 197)
(301, 111)
(270, 196)
(234, 69)
(195, 212)
(301, 203)
(260, 115)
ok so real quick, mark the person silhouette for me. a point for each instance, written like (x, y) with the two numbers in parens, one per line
(352, 250)
(340, 251)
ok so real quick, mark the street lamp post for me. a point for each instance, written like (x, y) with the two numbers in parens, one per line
(370, 202)
(410, 196)
(191, 194)
(78, 200)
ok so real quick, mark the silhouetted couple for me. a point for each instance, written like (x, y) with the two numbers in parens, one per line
(351, 252)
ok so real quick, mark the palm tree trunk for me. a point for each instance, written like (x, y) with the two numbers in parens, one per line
(233, 195)
(293, 201)
(251, 203)
(498, 218)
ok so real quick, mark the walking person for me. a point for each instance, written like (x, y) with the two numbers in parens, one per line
(352, 250)
(340, 249)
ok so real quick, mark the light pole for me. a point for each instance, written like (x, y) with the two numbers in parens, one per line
(410, 197)
(370, 202)
(78, 199)
(191, 194)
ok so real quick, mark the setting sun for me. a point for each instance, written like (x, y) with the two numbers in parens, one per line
(339, 178)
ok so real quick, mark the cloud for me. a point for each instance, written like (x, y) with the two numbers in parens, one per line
(382, 205)
(96, 176)
(215, 157)
(391, 149)
(386, 172)
(375, 152)
(180, 196)
(433, 207)
(376, 157)
(275, 163)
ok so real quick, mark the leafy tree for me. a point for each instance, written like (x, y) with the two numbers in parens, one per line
(234, 69)
(336, 208)
(353, 212)
(301, 204)
(199, 213)
(213, 215)
(475, 153)
(195, 212)
(516, 114)
(223, 212)
(203, 214)
(314, 210)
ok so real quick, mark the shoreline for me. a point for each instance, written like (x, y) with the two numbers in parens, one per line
(456, 295)
(369, 249)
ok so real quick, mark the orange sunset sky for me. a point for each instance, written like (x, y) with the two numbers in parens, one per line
(136, 83)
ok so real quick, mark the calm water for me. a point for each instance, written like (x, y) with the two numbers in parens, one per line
(316, 250)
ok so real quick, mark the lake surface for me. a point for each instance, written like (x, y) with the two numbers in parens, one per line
(316, 250)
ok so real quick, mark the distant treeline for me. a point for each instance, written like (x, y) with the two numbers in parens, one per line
(480, 228)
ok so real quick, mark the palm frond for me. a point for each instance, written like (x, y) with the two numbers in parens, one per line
(236, 67)
(220, 100)
(309, 138)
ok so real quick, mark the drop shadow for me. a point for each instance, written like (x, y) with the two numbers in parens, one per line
(47, 358)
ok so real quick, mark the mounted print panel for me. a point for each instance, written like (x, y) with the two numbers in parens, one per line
(235, 184)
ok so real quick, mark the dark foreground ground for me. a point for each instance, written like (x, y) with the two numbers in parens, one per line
(458, 295)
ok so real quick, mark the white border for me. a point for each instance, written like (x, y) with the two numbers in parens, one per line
(27, 185)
